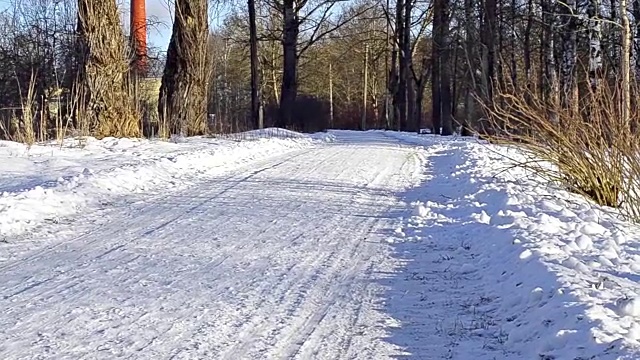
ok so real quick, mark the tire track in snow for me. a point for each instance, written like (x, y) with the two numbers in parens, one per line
(277, 259)
(150, 202)
(350, 284)
(252, 326)
(134, 279)
(62, 280)
(128, 222)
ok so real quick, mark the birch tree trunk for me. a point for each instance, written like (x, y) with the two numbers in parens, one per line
(595, 51)
(636, 42)
(550, 86)
(568, 23)
(625, 67)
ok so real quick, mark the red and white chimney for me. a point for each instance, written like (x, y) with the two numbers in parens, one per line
(139, 35)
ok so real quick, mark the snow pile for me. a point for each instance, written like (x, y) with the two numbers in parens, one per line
(47, 182)
(505, 266)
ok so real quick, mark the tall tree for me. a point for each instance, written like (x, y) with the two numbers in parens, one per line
(182, 102)
(400, 95)
(470, 57)
(291, 31)
(256, 104)
(107, 107)
(625, 66)
(489, 33)
(550, 78)
(442, 121)
(568, 22)
(320, 23)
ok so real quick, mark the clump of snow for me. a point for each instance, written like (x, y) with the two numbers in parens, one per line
(46, 182)
(628, 306)
(559, 275)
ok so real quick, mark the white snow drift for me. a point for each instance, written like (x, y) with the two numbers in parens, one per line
(505, 266)
(46, 182)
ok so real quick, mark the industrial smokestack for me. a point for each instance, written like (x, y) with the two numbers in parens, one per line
(139, 35)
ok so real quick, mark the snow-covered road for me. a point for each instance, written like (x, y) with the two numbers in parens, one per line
(278, 259)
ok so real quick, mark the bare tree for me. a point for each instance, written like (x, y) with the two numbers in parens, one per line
(318, 16)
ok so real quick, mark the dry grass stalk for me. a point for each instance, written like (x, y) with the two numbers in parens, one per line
(25, 130)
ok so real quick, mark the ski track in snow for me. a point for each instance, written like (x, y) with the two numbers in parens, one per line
(276, 260)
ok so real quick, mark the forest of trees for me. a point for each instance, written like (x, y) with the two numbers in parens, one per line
(309, 65)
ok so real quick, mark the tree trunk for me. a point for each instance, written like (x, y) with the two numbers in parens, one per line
(527, 51)
(289, 91)
(256, 105)
(183, 94)
(568, 24)
(436, 108)
(440, 79)
(615, 34)
(445, 88)
(625, 66)
(400, 96)
(512, 44)
(488, 49)
(595, 50)
(550, 77)
(636, 17)
(409, 108)
(419, 104)
(331, 119)
(106, 104)
(420, 86)
(365, 88)
(469, 111)
(387, 95)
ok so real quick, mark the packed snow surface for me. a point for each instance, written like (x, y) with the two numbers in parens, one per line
(42, 183)
(347, 245)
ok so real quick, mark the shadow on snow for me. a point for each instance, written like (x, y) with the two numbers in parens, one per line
(452, 297)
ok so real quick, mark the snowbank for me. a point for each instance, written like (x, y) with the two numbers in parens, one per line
(47, 182)
(524, 270)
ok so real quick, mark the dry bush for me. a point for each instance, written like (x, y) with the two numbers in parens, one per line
(589, 149)
(107, 101)
(26, 131)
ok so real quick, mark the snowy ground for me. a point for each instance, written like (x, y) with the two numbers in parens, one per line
(49, 183)
(367, 246)
(499, 266)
